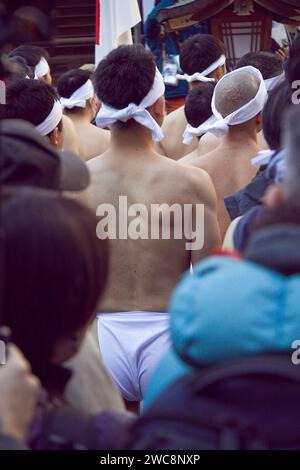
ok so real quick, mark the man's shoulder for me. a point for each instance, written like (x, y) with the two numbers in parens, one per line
(177, 116)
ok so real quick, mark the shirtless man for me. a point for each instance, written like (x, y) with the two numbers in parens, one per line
(133, 333)
(199, 54)
(79, 103)
(271, 68)
(199, 116)
(229, 165)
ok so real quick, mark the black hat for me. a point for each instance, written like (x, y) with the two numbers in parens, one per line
(27, 159)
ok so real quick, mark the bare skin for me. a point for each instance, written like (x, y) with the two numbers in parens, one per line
(143, 273)
(175, 124)
(92, 141)
(229, 165)
(70, 140)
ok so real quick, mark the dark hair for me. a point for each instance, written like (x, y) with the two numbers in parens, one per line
(20, 69)
(124, 76)
(70, 81)
(32, 54)
(267, 63)
(30, 100)
(293, 67)
(198, 104)
(279, 101)
(55, 270)
(200, 51)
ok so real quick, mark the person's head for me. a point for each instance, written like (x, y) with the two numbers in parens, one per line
(18, 69)
(35, 57)
(198, 105)
(69, 83)
(234, 91)
(124, 76)
(279, 100)
(33, 101)
(55, 271)
(293, 67)
(267, 63)
(199, 52)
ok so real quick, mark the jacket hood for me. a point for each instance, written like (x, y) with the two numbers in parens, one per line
(232, 308)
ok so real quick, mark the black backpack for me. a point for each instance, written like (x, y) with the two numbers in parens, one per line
(247, 404)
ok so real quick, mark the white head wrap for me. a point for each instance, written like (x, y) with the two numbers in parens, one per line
(191, 132)
(108, 115)
(271, 83)
(246, 112)
(41, 69)
(51, 121)
(202, 76)
(79, 97)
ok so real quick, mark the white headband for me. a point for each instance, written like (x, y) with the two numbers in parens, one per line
(79, 97)
(108, 115)
(202, 76)
(51, 121)
(243, 114)
(271, 83)
(41, 69)
(191, 132)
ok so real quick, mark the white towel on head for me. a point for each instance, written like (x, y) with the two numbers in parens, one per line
(246, 112)
(79, 97)
(108, 115)
(51, 121)
(191, 132)
(202, 76)
(41, 69)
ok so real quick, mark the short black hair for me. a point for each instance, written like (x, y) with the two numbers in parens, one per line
(293, 67)
(55, 270)
(70, 81)
(20, 68)
(198, 104)
(267, 63)
(124, 76)
(200, 51)
(279, 101)
(30, 100)
(32, 54)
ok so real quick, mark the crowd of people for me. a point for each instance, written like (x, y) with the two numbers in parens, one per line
(124, 334)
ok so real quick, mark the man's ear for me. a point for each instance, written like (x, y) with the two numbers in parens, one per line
(274, 196)
(259, 121)
(158, 110)
(220, 72)
(53, 137)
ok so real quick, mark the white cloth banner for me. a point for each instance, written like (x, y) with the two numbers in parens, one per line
(114, 20)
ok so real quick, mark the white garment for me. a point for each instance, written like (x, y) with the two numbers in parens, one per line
(132, 344)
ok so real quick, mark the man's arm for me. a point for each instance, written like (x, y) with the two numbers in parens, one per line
(204, 221)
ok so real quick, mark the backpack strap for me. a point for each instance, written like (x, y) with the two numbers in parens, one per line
(276, 365)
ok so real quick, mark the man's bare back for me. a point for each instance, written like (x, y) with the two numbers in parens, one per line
(143, 273)
(92, 140)
(173, 129)
(230, 169)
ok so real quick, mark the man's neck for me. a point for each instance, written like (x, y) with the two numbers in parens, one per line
(240, 136)
(83, 115)
(136, 137)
